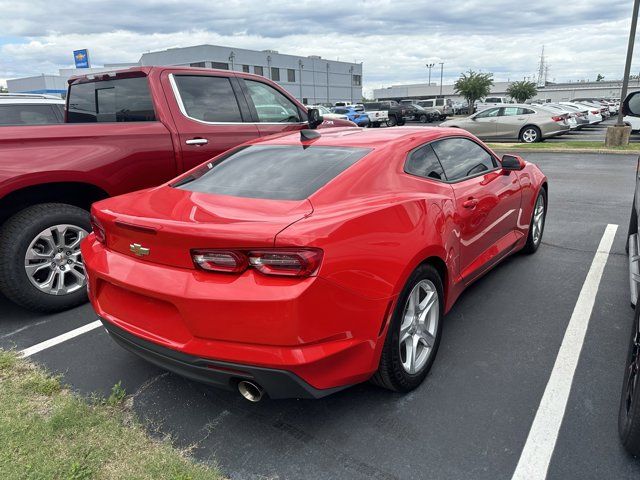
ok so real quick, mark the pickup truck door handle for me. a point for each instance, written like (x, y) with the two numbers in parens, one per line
(197, 141)
(470, 203)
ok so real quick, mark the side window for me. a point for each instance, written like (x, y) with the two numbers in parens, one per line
(423, 162)
(271, 105)
(526, 111)
(488, 113)
(119, 100)
(210, 99)
(28, 115)
(462, 158)
(511, 111)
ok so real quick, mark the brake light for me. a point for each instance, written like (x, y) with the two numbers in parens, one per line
(98, 229)
(557, 118)
(595, 112)
(296, 262)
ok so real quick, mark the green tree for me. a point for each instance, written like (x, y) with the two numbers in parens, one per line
(522, 91)
(3, 89)
(473, 86)
(600, 77)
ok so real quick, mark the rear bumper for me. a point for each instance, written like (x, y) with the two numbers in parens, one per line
(277, 383)
(321, 333)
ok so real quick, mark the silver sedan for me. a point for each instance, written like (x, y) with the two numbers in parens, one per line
(526, 123)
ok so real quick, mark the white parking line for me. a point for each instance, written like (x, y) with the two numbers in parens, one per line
(52, 342)
(538, 449)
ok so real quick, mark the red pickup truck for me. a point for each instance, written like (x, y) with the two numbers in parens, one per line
(123, 131)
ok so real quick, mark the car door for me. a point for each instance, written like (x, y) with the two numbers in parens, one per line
(483, 124)
(211, 115)
(487, 203)
(510, 122)
(273, 111)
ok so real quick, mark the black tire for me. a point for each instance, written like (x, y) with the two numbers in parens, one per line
(629, 412)
(633, 223)
(401, 122)
(376, 125)
(392, 121)
(534, 137)
(16, 235)
(391, 374)
(532, 246)
(422, 119)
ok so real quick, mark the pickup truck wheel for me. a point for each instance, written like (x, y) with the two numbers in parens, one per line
(423, 119)
(392, 122)
(401, 123)
(41, 267)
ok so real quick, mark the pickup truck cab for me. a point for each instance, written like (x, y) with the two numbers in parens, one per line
(123, 131)
(395, 113)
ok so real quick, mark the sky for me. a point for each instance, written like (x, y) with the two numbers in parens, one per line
(394, 39)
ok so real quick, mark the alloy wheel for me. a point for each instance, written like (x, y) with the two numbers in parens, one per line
(633, 371)
(419, 326)
(530, 135)
(53, 262)
(538, 220)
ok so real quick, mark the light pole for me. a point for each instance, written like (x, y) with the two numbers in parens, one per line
(269, 66)
(232, 57)
(430, 66)
(441, 73)
(300, 64)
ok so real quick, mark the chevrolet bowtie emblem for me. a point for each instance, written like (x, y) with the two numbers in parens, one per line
(139, 250)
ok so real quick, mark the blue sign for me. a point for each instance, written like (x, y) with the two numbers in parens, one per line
(81, 58)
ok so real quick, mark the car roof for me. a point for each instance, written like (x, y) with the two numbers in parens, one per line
(375, 138)
(31, 101)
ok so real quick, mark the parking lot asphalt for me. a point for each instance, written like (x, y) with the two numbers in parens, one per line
(471, 417)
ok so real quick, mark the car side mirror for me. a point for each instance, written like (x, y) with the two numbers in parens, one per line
(512, 163)
(631, 104)
(315, 118)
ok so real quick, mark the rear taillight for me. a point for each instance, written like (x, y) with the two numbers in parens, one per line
(595, 112)
(221, 260)
(98, 229)
(296, 262)
(557, 118)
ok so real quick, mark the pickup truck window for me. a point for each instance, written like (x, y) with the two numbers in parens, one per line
(282, 172)
(271, 105)
(210, 99)
(119, 100)
(21, 114)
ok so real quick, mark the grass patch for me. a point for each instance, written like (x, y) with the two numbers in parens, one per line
(46, 432)
(568, 145)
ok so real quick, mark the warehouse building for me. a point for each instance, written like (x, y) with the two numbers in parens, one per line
(312, 79)
(552, 92)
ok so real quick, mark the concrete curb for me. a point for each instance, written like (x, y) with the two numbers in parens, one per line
(566, 150)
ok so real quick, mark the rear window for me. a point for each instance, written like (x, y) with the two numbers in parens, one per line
(119, 100)
(21, 114)
(282, 172)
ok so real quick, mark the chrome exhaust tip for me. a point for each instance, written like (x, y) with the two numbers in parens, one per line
(251, 391)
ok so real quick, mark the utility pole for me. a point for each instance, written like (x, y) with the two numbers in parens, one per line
(269, 66)
(328, 101)
(232, 57)
(441, 73)
(627, 67)
(619, 134)
(351, 81)
(430, 66)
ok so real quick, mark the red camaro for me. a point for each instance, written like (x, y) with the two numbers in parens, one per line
(303, 263)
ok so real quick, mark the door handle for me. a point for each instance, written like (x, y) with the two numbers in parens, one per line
(197, 141)
(470, 203)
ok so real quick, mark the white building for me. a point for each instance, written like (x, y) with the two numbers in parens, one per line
(310, 79)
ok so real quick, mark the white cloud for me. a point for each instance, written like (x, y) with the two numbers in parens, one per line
(394, 39)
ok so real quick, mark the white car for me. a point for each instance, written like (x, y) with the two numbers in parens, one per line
(593, 115)
(328, 114)
(633, 122)
(30, 109)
